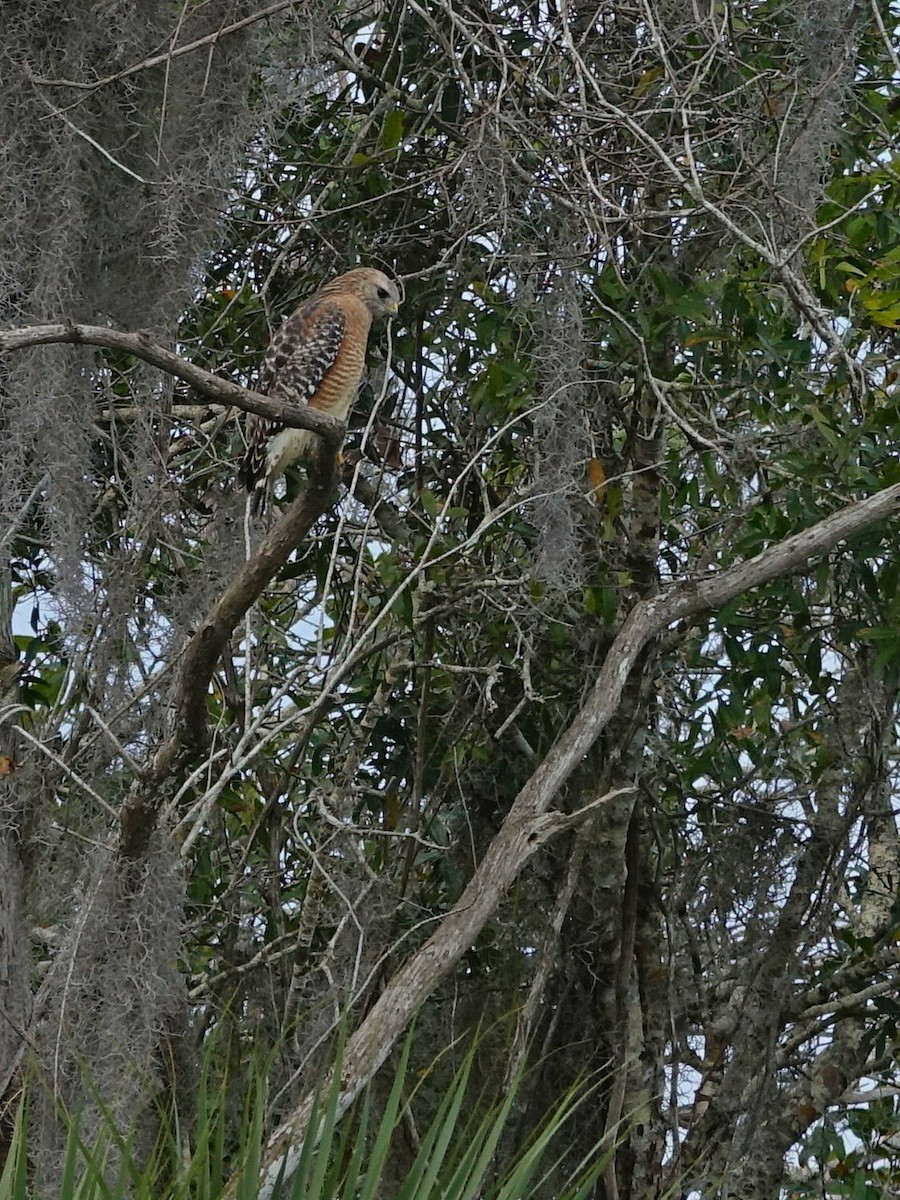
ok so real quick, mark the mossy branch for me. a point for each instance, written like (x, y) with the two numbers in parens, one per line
(141, 345)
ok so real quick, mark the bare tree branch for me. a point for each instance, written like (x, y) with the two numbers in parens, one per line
(172, 53)
(528, 824)
(141, 345)
(139, 812)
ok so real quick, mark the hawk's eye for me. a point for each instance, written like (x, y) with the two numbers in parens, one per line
(383, 293)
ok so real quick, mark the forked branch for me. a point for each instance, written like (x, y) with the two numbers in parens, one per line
(137, 817)
(529, 824)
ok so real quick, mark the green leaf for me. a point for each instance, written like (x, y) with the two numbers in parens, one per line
(392, 130)
(430, 502)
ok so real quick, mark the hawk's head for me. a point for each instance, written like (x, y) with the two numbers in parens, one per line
(380, 294)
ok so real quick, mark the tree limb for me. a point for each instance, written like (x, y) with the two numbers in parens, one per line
(141, 807)
(137, 818)
(528, 824)
(141, 345)
(168, 55)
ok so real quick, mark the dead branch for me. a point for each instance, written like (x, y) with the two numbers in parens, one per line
(529, 824)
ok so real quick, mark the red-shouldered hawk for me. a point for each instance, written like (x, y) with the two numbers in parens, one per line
(317, 357)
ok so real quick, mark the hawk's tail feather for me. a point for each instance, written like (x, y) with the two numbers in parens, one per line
(252, 478)
(257, 497)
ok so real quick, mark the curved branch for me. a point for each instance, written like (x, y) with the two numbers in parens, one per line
(138, 814)
(528, 823)
(141, 345)
(170, 54)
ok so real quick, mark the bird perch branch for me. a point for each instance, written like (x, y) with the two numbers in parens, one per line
(138, 814)
(141, 345)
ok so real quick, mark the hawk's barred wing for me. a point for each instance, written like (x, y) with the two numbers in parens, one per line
(317, 357)
(298, 357)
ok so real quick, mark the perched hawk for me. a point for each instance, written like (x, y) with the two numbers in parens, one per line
(317, 357)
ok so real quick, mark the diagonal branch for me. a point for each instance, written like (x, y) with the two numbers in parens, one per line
(141, 345)
(138, 815)
(168, 55)
(529, 824)
(139, 812)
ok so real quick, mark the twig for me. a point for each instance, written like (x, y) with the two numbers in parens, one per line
(158, 59)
